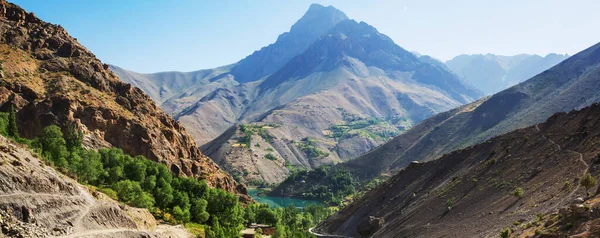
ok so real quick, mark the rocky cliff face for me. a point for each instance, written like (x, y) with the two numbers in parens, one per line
(36, 201)
(52, 79)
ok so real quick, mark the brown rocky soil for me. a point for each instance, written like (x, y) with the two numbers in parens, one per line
(470, 192)
(52, 79)
(37, 201)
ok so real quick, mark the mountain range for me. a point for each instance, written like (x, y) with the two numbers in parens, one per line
(494, 73)
(487, 169)
(318, 95)
(572, 84)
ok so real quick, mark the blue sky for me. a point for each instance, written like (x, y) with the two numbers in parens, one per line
(186, 35)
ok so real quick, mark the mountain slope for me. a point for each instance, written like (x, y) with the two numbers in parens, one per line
(316, 21)
(471, 192)
(493, 73)
(343, 89)
(572, 84)
(37, 201)
(349, 92)
(52, 79)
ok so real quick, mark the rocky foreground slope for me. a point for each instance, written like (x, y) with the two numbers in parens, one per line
(37, 201)
(523, 179)
(52, 79)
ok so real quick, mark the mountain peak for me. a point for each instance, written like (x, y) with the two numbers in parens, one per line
(318, 19)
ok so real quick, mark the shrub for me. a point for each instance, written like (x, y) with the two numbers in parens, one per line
(505, 233)
(569, 226)
(270, 156)
(518, 192)
(588, 182)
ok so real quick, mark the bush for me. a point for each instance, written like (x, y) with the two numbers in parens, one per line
(505, 233)
(270, 156)
(588, 182)
(518, 192)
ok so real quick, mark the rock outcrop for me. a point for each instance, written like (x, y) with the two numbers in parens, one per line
(37, 201)
(51, 78)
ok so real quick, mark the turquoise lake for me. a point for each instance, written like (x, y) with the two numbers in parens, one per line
(280, 201)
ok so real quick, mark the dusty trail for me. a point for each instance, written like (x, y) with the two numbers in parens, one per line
(580, 159)
(310, 230)
(99, 232)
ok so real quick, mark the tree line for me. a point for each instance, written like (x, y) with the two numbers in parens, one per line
(140, 182)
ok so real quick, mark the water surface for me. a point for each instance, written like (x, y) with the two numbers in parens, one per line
(280, 201)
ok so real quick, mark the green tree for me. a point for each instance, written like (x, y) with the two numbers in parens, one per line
(135, 170)
(215, 231)
(12, 128)
(149, 183)
(250, 213)
(588, 182)
(3, 123)
(307, 220)
(198, 210)
(182, 215)
(131, 192)
(53, 146)
(181, 199)
(90, 170)
(227, 208)
(264, 215)
(73, 137)
(280, 231)
(163, 194)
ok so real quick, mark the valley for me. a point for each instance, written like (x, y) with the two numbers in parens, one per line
(323, 92)
(332, 129)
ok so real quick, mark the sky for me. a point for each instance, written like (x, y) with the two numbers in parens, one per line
(186, 35)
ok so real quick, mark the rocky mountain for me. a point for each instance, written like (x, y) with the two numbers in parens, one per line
(340, 90)
(493, 73)
(37, 201)
(527, 182)
(52, 79)
(572, 84)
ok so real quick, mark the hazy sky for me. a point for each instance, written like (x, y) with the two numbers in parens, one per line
(185, 35)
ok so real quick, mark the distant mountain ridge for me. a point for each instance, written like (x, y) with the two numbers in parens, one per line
(571, 84)
(340, 90)
(493, 73)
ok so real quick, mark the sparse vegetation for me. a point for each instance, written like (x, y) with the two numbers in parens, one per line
(309, 147)
(588, 182)
(450, 202)
(569, 226)
(375, 128)
(518, 192)
(270, 156)
(505, 233)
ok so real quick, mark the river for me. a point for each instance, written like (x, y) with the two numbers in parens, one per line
(280, 201)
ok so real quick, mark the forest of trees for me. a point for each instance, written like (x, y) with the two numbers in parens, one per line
(143, 183)
(337, 184)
